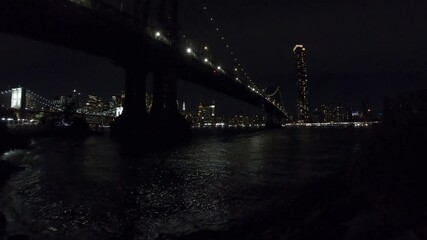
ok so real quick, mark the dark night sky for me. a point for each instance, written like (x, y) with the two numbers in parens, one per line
(355, 51)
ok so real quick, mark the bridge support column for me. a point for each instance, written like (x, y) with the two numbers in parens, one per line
(164, 124)
(135, 90)
(164, 116)
(134, 115)
(158, 107)
(164, 94)
(171, 106)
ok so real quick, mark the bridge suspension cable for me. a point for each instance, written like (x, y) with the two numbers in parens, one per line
(283, 106)
(274, 93)
(43, 101)
(239, 68)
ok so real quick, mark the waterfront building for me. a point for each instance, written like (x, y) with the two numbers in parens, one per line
(302, 84)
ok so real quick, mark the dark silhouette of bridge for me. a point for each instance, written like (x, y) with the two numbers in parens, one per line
(121, 32)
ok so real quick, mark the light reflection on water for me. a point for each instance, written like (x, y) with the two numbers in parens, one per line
(95, 188)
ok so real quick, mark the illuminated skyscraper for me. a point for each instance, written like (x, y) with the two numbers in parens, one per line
(302, 86)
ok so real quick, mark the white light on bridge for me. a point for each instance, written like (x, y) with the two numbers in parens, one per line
(206, 60)
(219, 67)
(158, 34)
(206, 47)
(189, 50)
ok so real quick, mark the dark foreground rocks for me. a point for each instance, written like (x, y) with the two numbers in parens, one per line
(9, 141)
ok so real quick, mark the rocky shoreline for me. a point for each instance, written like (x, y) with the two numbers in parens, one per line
(10, 141)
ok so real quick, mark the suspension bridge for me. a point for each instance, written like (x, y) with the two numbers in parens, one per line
(127, 32)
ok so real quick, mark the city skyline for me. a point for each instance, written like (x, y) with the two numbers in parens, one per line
(202, 115)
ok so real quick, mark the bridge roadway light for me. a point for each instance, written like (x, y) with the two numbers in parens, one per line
(219, 67)
(189, 50)
(158, 34)
(206, 60)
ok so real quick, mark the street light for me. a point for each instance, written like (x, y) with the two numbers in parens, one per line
(158, 34)
(206, 60)
(189, 50)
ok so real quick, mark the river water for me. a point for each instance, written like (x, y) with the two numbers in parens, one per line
(95, 188)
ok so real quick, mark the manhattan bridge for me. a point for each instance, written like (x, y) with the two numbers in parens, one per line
(143, 37)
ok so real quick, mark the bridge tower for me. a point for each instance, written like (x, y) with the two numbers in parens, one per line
(19, 100)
